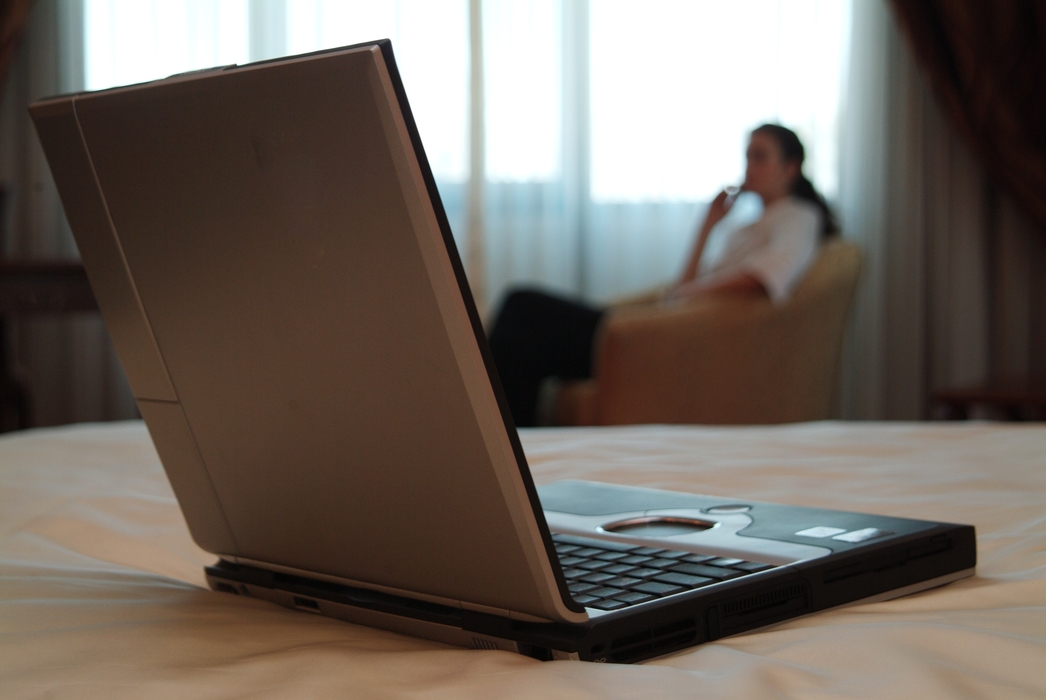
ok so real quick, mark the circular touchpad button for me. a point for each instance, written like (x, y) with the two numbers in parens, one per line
(658, 526)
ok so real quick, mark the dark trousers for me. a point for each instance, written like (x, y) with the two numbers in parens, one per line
(535, 336)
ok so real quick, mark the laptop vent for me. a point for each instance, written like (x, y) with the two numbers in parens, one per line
(749, 612)
(478, 643)
(653, 642)
(761, 601)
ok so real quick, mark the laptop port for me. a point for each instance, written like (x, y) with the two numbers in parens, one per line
(225, 588)
(307, 604)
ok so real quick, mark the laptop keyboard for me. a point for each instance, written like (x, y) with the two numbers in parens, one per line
(612, 575)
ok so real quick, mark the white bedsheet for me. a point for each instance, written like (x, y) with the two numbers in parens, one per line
(102, 592)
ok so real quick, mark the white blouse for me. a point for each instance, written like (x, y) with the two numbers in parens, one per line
(777, 249)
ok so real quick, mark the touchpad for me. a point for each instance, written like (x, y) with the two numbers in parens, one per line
(658, 526)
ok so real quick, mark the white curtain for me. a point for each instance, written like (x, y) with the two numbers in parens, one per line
(574, 142)
(610, 125)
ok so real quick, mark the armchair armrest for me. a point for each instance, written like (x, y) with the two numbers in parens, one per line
(680, 362)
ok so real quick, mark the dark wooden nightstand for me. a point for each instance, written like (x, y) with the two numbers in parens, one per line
(29, 288)
(44, 287)
(1013, 400)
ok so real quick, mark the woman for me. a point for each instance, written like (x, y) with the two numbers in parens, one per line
(536, 335)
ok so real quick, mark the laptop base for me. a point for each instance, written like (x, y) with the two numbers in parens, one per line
(929, 555)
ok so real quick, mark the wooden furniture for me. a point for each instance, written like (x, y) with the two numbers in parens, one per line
(721, 359)
(1013, 400)
(29, 288)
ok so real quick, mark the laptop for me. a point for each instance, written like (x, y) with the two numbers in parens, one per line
(269, 251)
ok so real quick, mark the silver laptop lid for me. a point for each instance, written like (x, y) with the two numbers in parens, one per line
(272, 260)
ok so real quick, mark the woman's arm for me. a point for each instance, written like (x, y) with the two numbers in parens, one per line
(716, 211)
(740, 283)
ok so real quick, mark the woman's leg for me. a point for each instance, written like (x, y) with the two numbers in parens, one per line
(535, 336)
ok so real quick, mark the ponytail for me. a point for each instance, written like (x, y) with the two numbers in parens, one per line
(804, 189)
(791, 151)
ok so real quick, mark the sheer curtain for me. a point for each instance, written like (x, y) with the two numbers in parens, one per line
(575, 143)
(610, 126)
(603, 128)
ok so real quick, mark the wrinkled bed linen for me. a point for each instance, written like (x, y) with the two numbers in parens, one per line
(102, 592)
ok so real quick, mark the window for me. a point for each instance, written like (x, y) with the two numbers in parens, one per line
(677, 85)
(607, 123)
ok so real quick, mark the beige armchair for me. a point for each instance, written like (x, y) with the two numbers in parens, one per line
(720, 359)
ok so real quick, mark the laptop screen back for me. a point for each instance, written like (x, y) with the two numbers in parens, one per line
(318, 393)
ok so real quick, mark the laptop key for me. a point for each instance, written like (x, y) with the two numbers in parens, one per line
(705, 570)
(618, 569)
(562, 549)
(612, 556)
(593, 564)
(683, 580)
(644, 573)
(624, 582)
(648, 551)
(575, 573)
(658, 589)
(581, 587)
(636, 559)
(605, 592)
(597, 577)
(593, 542)
(661, 563)
(726, 562)
(673, 554)
(610, 604)
(753, 566)
(633, 597)
(585, 599)
(571, 561)
(587, 552)
(697, 558)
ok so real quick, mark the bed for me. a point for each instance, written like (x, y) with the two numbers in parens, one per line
(102, 591)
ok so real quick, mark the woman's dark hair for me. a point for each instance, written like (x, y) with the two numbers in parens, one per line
(792, 151)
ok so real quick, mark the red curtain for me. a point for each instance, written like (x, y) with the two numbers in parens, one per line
(13, 14)
(986, 61)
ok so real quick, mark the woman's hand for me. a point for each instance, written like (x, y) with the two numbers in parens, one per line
(719, 208)
(716, 211)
